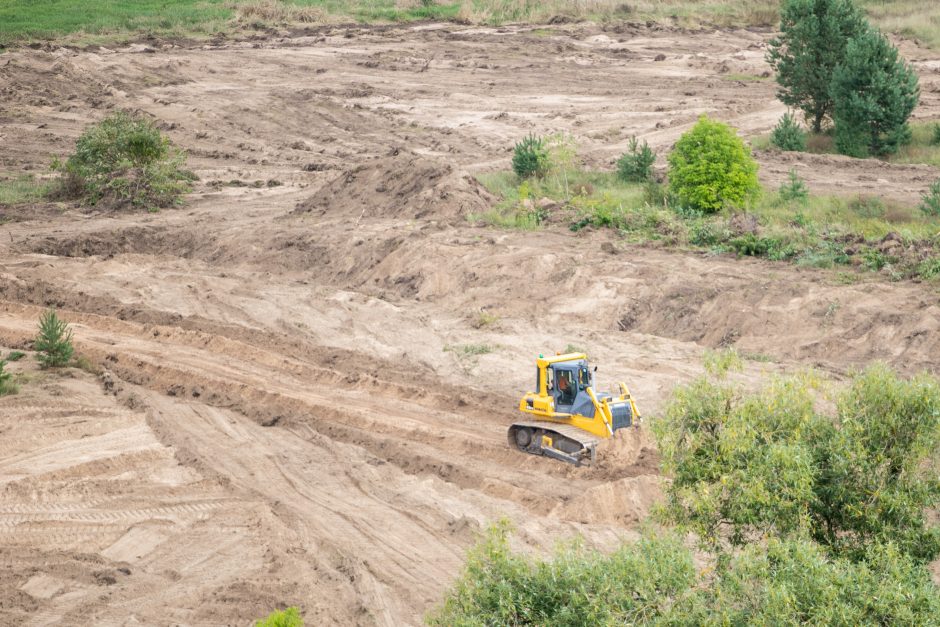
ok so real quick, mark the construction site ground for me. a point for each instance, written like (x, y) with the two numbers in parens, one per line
(290, 394)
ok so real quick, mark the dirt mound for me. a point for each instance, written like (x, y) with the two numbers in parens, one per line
(626, 501)
(401, 186)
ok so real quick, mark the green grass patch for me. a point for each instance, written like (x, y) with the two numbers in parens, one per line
(22, 189)
(861, 234)
(100, 21)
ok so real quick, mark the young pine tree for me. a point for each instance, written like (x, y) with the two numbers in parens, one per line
(54, 342)
(874, 92)
(812, 42)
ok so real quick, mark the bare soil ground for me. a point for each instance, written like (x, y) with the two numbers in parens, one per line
(283, 413)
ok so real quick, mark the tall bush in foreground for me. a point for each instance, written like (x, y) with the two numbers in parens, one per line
(771, 464)
(54, 341)
(813, 38)
(710, 168)
(874, 92)
(125, 160)
(655, 582)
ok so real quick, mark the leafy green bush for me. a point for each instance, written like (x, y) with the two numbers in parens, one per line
(54, 342)
(930, 202)
(794, 189)
(874, 92)
(813, 38)
(710, 168)
(654, 582)
(770, 464)
(7, 386)
(124, 160)
(15, 356)
(636, 165)
(530, 157)
(787, 134)
(282, 618)
(577, 587)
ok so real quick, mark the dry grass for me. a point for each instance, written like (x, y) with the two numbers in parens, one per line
(277, 12)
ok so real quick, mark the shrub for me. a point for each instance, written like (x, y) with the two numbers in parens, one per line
(788, 135)
(125, 160)
(54, 342)
(770, 464)
(930, 202)
(576, 587)
(654, 582)
(710, 167)
(15, 356)
(636, 165)
(794, 189)
(282, 618)
(530, 157)
(813, 38)
(7, 386)
(874, 92)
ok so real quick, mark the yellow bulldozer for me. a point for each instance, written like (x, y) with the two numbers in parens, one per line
(568, 417)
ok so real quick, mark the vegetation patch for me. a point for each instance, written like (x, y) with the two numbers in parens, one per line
(125, 161)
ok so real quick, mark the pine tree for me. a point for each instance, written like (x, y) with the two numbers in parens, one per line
(54, 342)
(874, 92)
(813, 39)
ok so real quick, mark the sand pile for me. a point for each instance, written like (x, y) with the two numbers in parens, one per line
(404, 185)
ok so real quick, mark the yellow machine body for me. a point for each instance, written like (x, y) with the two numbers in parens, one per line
(567, 416)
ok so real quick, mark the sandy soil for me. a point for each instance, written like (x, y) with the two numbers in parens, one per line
(283, 414)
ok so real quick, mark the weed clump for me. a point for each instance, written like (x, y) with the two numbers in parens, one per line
(711, 168)
(282, 618)
(125, 160)
(7, 386)
(636, 165)
(787, 134)
(530, 158)
(54, 341)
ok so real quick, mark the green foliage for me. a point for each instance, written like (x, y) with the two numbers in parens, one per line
(721, 362)
(7, 386)
(54, 342)
(530, 157)
(770, 464)
(935, 136)
(577, 587)
(654, 582)
(282, 618)
(710, 168)
(636, 165)
(787, 134)
(930, 202)
(794, 190)
(874, 92)
(15, 356)
(795, 582)
(125, 160)
(929, 269)
(813, 38)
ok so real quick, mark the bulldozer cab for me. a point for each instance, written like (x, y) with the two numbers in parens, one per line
(567, 382)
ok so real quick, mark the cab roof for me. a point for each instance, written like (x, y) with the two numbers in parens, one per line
(556, 359)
